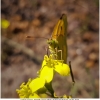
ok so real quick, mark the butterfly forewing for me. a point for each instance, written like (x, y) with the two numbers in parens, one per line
(59, 36)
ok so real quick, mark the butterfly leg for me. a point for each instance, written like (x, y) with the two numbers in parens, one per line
(47, 49)
(56, 50)
(60, 53)
(56, 56)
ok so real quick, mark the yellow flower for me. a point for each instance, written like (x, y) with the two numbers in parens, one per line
(24, 91)
(36, 84)
(37, 87)
(64, 96)
(5, 23)
(32, 89)
(50, 65)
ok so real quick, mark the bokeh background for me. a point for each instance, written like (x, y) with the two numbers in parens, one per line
(21, 58)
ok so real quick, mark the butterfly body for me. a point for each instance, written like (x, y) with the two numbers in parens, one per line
(58, 39)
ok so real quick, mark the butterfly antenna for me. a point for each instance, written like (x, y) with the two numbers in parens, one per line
(35, 37)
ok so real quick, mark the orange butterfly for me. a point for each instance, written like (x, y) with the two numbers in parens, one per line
(58, 39)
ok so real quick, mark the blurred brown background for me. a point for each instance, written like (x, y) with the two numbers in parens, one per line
(21, 58)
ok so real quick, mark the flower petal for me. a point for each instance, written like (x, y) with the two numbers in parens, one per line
(36, 84)
(62, 69)
(47, 74)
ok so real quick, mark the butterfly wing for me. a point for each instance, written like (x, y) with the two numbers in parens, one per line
(59, 35)
(60, 28)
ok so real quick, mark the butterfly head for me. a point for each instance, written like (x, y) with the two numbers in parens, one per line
(52, 43)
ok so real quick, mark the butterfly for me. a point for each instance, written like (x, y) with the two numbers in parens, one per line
(57, 42)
